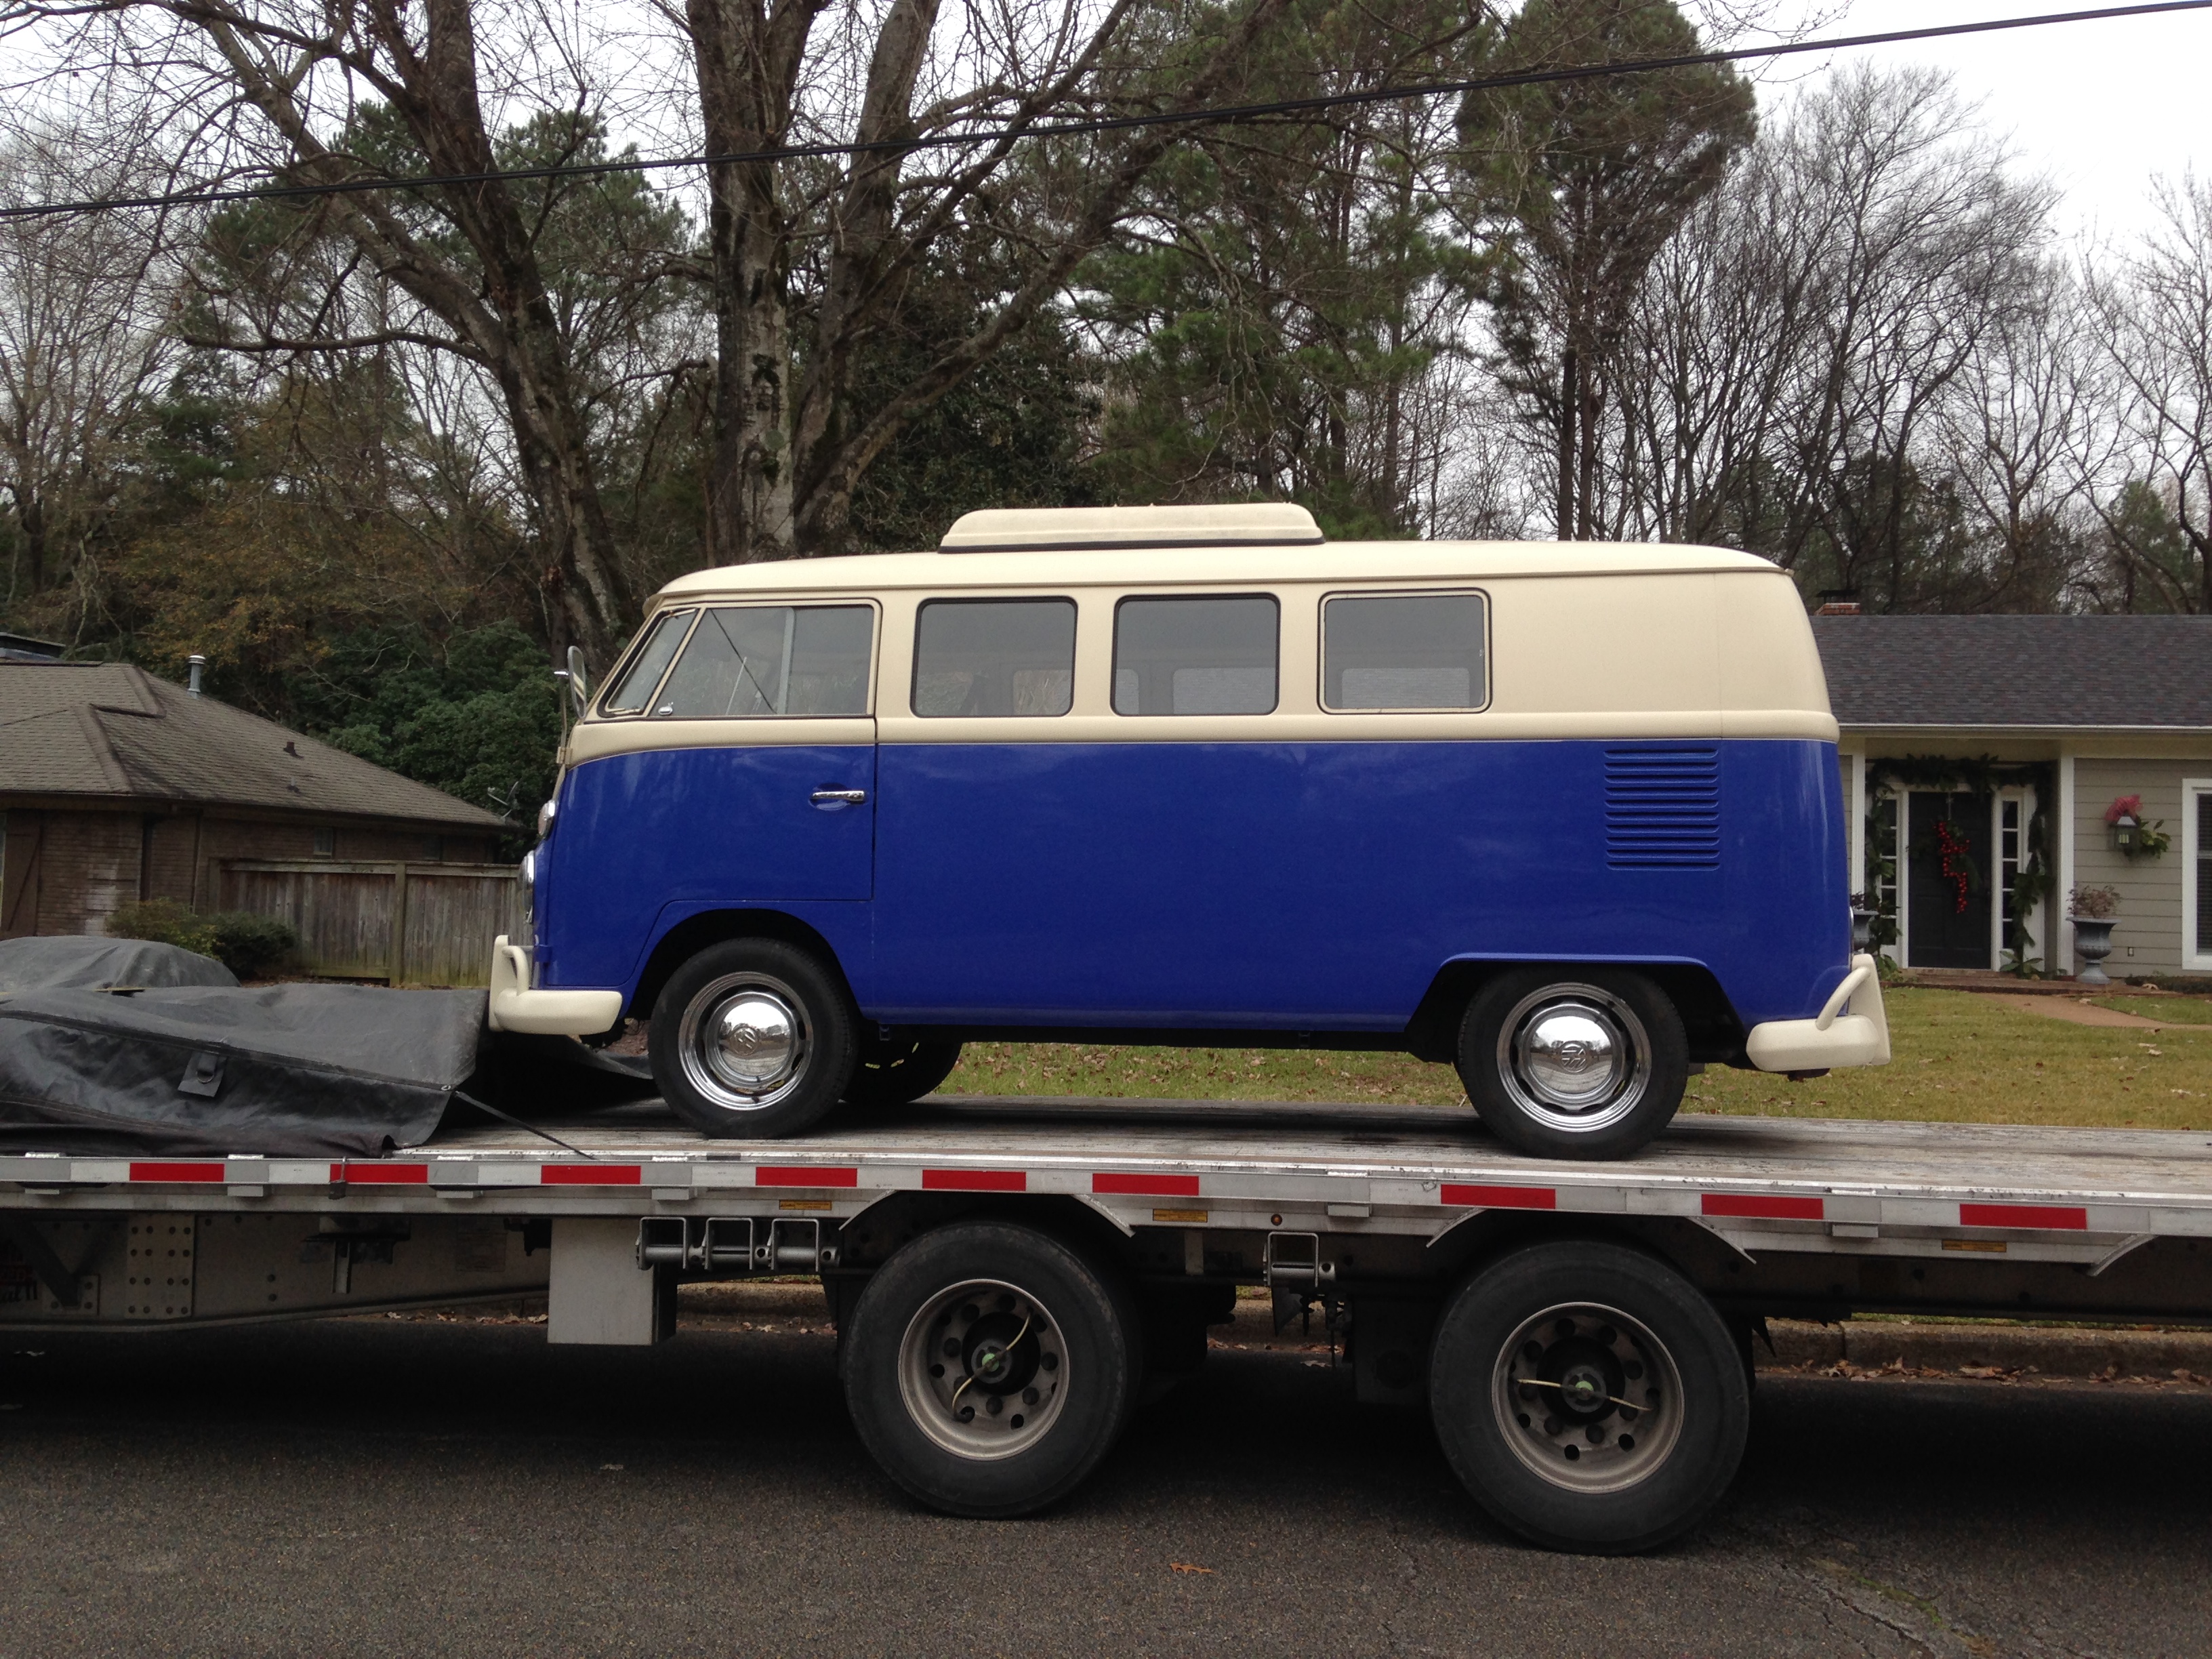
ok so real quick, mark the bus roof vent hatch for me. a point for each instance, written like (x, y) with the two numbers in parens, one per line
(1095, 529)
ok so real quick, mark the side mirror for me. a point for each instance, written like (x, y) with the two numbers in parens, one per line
(578, 690)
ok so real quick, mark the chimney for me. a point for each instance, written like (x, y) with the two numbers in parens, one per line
(196, 662)
(1839, 608)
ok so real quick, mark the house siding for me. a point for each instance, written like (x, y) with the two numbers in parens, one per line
(2149, 937)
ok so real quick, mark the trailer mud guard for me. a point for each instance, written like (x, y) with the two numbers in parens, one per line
(599, 1293)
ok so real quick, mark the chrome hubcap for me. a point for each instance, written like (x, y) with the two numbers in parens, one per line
(744, 1042)
(1574, 1057)
(1588, 1397)
(756, 1037)
(983, 1370)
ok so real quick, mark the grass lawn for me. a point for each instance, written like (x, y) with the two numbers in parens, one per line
(1958, 1058)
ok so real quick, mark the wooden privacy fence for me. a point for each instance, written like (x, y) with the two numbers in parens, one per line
(418, 924)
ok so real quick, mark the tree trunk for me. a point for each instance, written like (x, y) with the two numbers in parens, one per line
(1592, 401)
(583, 572)
(31, 514)
(748, 63)
(1570, 405)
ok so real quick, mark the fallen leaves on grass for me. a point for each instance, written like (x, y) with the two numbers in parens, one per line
(1186, 1566)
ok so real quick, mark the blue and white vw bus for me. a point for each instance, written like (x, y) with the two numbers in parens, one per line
(1568, 816)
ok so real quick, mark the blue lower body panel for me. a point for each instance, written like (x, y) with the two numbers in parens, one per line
(1290, 887)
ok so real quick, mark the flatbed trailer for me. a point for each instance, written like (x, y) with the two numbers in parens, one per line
(1009, 1277)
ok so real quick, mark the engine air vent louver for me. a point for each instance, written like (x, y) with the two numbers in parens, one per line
(1663, 808)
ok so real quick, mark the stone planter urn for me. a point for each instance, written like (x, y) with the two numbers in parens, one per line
(2093, 943)
(1862, 923)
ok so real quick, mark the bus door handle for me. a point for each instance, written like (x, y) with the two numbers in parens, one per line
(833, 798)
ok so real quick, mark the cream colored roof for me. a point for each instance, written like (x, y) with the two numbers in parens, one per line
(1062, 529)
(1439, 561)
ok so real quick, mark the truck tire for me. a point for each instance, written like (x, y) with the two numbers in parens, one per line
(1577, 1063)
(1589, 1396)
(752, 1037)
(988, 1368)
(899, 1073)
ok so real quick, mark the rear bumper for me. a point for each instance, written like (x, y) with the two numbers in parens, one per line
(1833, 1038)
(515, 1007)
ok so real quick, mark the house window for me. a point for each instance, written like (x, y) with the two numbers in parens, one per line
(2196, 872)
(326, 843)
(2011, 850)
(1881, 865)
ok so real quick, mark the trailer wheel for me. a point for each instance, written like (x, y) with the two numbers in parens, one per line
(897, 1074)
(1589, 1397)
(752, 1037)
(1591, 1066)
(988, 1368)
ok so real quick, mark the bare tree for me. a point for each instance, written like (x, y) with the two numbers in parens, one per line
(1807, 355)
(81, 345)
(2154, 319)
(789, 443)
(1590, 178)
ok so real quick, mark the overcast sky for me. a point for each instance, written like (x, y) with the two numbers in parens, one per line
(2099, 106)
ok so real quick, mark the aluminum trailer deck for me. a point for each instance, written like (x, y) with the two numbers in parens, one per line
(1536, 1307)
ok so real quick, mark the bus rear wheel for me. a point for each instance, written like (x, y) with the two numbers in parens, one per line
(1581, 1063)
(752, 1037)
(900, 1072)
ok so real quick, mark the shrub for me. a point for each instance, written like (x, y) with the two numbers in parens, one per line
(248, 945)
(164, 922)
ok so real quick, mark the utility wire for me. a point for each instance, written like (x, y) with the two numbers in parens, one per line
(1090, 126)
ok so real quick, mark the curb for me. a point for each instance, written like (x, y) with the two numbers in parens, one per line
(1986, 1350)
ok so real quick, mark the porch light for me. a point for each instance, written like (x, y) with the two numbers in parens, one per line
(2123, 832)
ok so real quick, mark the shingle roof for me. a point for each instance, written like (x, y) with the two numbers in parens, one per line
(111, 730)
(2018, 671)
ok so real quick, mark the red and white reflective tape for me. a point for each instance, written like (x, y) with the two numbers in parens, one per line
(1224, 1191)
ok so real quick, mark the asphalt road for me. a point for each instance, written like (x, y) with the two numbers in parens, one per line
(375, 1487)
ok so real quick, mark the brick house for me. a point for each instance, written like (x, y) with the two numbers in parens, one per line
(116, 786)
(1979, 751)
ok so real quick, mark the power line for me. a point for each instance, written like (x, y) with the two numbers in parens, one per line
(1093, 125)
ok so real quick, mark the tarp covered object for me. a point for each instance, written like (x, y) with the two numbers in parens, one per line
(77, 961)
(301, 1070)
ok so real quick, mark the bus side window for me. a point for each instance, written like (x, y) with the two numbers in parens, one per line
(648, 663)
(994, 657)
(757, 662)
(1200, 654)
(1404, 651)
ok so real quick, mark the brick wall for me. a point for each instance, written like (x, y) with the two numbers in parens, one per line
(88, 869)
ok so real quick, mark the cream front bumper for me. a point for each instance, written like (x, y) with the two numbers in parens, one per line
(515, 1007)
(1832, 1038)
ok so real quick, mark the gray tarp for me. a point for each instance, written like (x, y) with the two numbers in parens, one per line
(74, 961)
(283, 1070)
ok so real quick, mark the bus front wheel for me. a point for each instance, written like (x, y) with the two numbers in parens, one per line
(752, 1037)
(1581, 1063)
